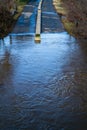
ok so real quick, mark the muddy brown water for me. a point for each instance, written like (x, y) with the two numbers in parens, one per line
(43, 86)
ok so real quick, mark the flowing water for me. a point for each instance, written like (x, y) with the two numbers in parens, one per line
(43, 86)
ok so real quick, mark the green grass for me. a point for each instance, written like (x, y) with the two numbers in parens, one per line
(59, 7)
(69, 26)
(20, 6)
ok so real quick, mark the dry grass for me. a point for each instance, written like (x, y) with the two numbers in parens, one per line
(75, 21)
(58, 4)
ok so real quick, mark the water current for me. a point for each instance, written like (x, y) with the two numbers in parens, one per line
(43, 86)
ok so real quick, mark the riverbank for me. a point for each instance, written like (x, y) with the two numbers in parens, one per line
(7, 20)
(20, 6)
(74, 16)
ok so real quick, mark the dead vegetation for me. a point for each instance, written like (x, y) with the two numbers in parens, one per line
(77, 13)
(75, 21)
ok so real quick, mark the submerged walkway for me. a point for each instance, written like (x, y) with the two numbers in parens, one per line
(26, 22)
(50, 21)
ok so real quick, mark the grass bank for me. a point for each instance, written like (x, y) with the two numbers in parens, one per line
(74, 16)
(7, 21)
(20, 6)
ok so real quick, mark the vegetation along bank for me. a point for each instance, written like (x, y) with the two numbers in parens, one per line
(74, 16)
(10, 10)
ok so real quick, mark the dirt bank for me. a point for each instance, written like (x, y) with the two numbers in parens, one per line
(74, 16)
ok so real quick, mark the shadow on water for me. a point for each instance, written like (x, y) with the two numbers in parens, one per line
(43, 86)
(5, 66)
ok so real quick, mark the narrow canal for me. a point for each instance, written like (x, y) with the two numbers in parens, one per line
(43, 86)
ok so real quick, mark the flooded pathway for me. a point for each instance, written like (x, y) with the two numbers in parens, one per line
(50, 19)
(43, 86)
(27, 21)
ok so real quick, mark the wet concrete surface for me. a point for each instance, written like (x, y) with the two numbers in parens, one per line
(27, 21)
(50, 19)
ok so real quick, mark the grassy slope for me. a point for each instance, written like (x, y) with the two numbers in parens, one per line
(20, 6)
(75, 13)
(7, 21)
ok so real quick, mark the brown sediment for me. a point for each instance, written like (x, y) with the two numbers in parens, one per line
(74, 16)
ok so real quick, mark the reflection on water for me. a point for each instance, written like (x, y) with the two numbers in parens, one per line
(43, 86)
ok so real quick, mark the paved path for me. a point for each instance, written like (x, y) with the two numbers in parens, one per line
(50, 19)
(26, 22)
